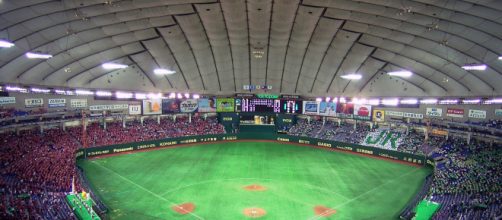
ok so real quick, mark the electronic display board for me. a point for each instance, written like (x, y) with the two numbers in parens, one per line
(259, 105)
(291, 106)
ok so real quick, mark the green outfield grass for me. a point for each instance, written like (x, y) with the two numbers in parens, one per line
(144, 185)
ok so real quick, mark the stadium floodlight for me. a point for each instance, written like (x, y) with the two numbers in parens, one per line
(32, 55)
(154, 96)
(318, 99)
(448, 102)
(139, 95)
(179, 96)
(471, 101)
(374, 101)
(160, 71)
(172, 95)
(83, 92)
(390, 102)
(343, 100)
(38, 90)
(6, 44)
(111, 66)
(500, 58)
(328, 99)
(493, 101)
(409, 101)
(359, 101)
(474, 67)
(352, 76)
(123, 95)
(187, 95)
(335, 100)
(14, 88)
(103, 93)
(196, 96)
(428, 101)
(403, 73)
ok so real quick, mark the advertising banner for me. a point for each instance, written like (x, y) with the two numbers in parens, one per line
(7, 100)
(327, 108)
(404, 114)
(362, 112)
(455, 112)
(225, 105)
(477, 114)
(207, 105)
(310, 107)
(78, 103)
(189, 105)
(345, 110)
(434, 112)
(439, 132)
(378, 115)
(135, 109)
(31, 103)
(55, 103)
(108, 107)
(170, 106)
(498, 112)
(152, 107)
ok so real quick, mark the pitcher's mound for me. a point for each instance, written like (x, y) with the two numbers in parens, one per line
(323, 211)
(255, 187)
(254, 212)
(184, 208)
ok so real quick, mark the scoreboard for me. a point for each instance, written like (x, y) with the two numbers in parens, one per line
(268, 105)
(259, 105)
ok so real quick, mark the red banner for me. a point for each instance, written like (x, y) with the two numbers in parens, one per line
(455, 112)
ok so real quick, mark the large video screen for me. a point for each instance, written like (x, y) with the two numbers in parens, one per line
(291, 106)
(170, 106)
(225, 105)
(259, 105)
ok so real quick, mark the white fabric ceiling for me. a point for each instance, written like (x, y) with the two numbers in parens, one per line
(306, 45)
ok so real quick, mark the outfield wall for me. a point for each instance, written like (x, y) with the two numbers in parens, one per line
(129, 147)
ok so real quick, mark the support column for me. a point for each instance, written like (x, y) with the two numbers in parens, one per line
(158, 119)
(190, 118)
(141, 119)
(469, 134)
(308, 119)
(355, 125)
(104, 124)
(323, 121)
(123, 122)
(63, 126)
(41, 129)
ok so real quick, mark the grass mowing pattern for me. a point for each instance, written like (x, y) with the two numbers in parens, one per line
(144, 185)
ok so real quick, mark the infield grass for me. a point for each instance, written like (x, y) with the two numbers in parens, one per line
(145, 185)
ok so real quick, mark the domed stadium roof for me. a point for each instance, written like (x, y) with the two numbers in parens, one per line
(218, 47)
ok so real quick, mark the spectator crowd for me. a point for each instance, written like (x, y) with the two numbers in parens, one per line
(36, 170)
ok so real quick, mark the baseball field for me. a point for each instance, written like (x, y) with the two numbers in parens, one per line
(246, 180)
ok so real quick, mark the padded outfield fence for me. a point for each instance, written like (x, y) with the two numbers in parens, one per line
(372, 151)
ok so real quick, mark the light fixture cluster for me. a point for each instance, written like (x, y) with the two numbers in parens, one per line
(399, 73)
(408, 101)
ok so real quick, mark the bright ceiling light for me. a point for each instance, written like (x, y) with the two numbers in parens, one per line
(196, 96)
(428, 101)
(163, 71)
(38, 90)
(84, 92)
(448, 102)
(474, 67)
(328, 99)
(32, 55)
(154, 96)
(140, 96)
(179, 96)
(405, 74)
(374, 101)
(391, 102)
(6, 44)
(352, 76)
(409, 101)
(172, 95)
(318, 99)
(123, 95)
(111, 66)
(471, 101)
(493, 101)
(103, 93)
(500, 58)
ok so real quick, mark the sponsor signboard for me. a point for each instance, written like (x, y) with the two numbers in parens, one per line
(362, 112)
(439, 132)
(455, 112)
(30, 103)
(170, 106)
(55, 103)
(310, 107)
(327, 108)
(7, 100)
(207, 105)
(434, 112)
(108, 107)
(189, 105)
(404, 114)
(378, 115)
(477, 114)
(225, 105)
(135, 109)
(78, 103)
(152, 107)
(345, 110)
(498, 112)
